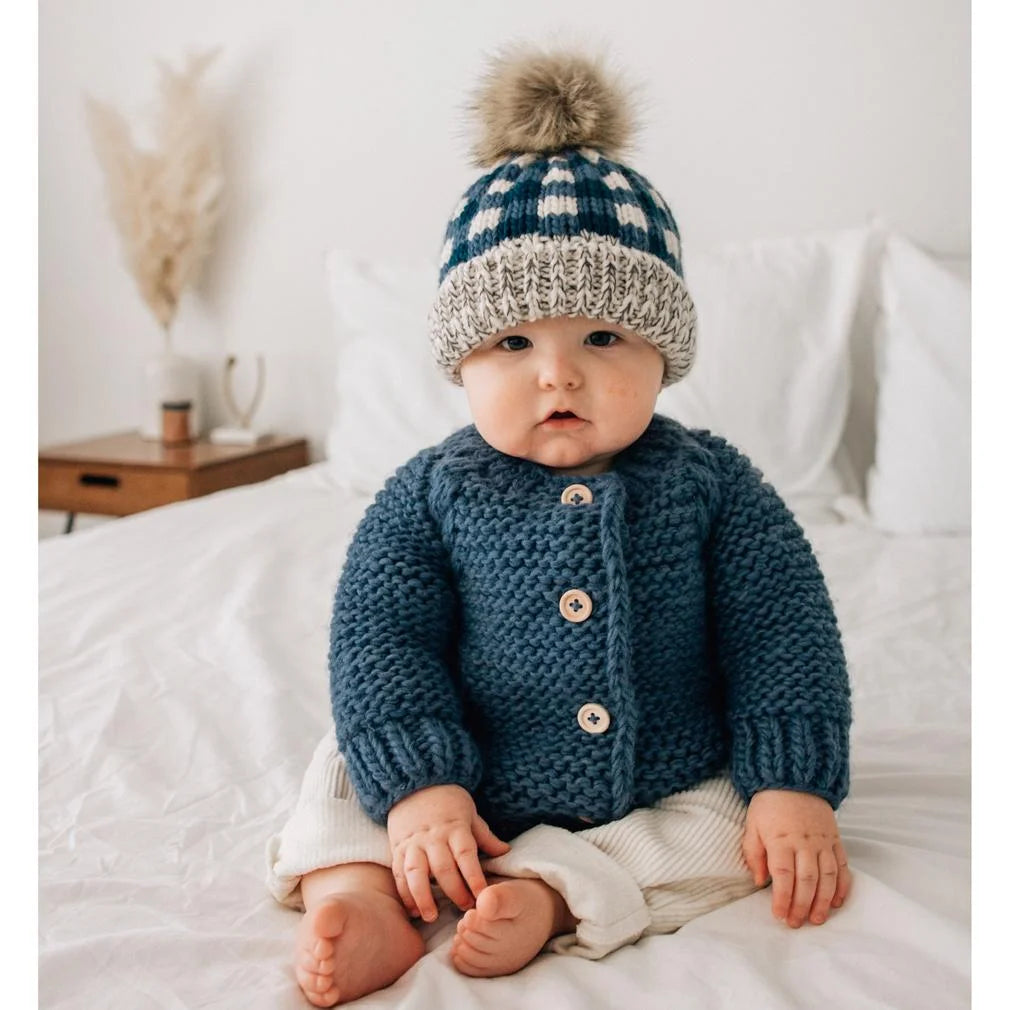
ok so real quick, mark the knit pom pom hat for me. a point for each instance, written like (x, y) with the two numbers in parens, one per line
(558, 226)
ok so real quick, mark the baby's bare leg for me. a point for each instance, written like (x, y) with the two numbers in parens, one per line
(355, 936)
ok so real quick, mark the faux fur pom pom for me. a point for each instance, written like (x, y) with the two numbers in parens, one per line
(530, 101)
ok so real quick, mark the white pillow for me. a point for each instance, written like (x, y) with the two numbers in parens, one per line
(392, 400)
(919, 481)
(771, 374)
(772, 367)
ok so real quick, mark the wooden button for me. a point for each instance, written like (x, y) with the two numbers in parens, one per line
(594, 718)
(575, 606)
(576, 494)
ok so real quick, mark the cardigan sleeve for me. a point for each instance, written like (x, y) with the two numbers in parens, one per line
(777, 642)
(396, 707)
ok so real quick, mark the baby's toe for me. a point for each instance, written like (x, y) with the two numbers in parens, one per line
(318, 989)
(468, 960)
(327, 999)
(306, 978)
(479, 942)
(311, 963)
(322, 948)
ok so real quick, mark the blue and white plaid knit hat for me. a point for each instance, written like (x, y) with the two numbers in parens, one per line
(558, 227)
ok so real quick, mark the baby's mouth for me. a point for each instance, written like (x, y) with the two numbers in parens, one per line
(563, 419)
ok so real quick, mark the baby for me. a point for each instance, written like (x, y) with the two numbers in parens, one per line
(575, 636)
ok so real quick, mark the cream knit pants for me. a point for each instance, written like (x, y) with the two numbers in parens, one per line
(649, 872)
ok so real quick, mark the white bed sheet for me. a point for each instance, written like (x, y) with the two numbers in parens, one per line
(183, 687)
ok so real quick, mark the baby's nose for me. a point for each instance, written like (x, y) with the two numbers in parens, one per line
(559, 372)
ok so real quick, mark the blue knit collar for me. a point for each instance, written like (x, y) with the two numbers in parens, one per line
(641, 460)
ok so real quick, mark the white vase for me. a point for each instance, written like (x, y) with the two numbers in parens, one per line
(169, 376)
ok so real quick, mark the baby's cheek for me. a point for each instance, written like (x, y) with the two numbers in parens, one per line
(620, 390)
(630, 396)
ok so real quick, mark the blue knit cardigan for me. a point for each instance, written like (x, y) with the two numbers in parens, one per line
(711, 644)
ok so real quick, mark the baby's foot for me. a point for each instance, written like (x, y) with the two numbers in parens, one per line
(351, 944)
(513, 920)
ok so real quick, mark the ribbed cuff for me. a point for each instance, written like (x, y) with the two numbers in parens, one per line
(806, 753)
(394, 760)
(534, 275)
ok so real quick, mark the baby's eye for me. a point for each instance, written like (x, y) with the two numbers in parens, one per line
(602, 338)
(508, 344)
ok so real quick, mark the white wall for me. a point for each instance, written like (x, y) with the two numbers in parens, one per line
(342, 126)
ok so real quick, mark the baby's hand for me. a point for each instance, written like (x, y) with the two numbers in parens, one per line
(436, 832)
(795, 836)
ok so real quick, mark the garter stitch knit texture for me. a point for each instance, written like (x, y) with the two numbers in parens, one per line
(711, 643)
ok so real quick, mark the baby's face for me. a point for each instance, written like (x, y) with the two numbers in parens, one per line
(605, 375)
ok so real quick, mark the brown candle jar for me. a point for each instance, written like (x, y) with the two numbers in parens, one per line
(175, 423)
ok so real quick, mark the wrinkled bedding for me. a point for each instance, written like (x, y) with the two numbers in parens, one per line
(183, 688)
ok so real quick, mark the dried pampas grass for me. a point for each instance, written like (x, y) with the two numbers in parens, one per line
(166, 202)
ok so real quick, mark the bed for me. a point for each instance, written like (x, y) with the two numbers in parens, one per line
(183, 689)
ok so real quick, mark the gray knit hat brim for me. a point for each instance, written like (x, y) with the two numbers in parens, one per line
(535, 277)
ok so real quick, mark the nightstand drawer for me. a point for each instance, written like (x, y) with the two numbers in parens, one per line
(108, 490)
(117, 475)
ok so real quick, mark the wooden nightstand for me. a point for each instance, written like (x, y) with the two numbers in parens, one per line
(121, 474)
